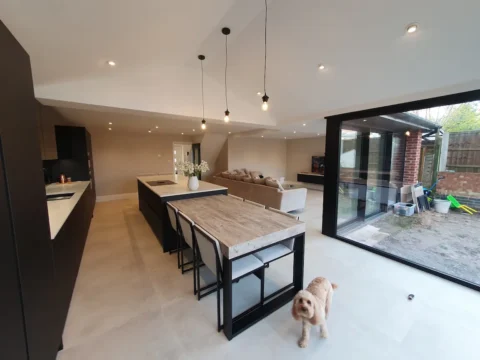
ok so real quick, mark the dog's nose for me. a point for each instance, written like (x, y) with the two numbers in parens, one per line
(304, 308)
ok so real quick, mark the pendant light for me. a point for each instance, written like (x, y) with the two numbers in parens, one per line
(226, 32)
(204, 123)
(265, 97)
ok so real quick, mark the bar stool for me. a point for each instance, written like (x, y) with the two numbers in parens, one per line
(186, 230)
(235, 197)
(254, 203)
(209, 251)
(173, 216)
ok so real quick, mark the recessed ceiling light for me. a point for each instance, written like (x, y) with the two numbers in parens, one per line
(294, 131)
(229, 132)
(364, 120)
(182, 133)
(149, 131)
(262, 136)
(156, 127)
(407, 133)
(110, 129)
(304, 124)
(318, 134)
(412, 28)
(285, 138)
(259, 93)
(111, 63)
(193, 129)
(110, 123)
(321, 67)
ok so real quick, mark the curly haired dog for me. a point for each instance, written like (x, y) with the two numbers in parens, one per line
(312, 306)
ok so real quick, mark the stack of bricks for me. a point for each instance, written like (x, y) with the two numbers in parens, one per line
(413, 149)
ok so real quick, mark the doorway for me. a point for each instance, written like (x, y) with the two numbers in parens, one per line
(181, 152)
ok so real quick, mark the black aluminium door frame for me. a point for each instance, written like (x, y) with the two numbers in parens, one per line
(332, 169)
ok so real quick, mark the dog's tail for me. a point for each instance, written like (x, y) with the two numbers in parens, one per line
(334, 286)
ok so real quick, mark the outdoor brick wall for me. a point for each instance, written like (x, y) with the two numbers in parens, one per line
(413, 146)
(460, 184)
(398, 159)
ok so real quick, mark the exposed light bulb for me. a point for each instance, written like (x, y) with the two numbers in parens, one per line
(204, 124)
(407, 133)
(110, 129)
(110, 123)
(111, 63)
(265, 102)
(226, 118)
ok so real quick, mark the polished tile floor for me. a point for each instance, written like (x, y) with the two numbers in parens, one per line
(130, 302)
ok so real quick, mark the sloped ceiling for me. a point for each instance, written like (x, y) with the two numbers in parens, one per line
(370, 60)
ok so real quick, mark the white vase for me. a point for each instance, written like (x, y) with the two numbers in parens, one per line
(193, 183)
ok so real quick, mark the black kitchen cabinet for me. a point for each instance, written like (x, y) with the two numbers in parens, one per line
(29, 326)
(68, 248)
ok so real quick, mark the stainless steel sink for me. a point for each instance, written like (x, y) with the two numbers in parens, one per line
(63, 196)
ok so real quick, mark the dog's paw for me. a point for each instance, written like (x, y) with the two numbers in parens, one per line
(303, 343)
(324, 334)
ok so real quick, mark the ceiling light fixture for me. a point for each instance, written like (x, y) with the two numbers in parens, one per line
(294, 131)
(304, 124)
(321, 67)
(204, 123)
(149, 131)
(110, 123)
(111, 63)
(318, 134)
(364, 120)
(229, 132)
(226, 32)
(182, 133)
(407, 133)
(265, 96)
(285, 138)
(156, 127)
(193, 129)
(412, 28)
(259, 93)
(110, 129)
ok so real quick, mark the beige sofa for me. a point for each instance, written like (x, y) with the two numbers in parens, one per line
(286, 200)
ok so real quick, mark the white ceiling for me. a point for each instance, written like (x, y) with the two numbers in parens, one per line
(369, 59)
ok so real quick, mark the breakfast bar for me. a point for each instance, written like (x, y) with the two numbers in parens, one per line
(243, 229)
(153, 194)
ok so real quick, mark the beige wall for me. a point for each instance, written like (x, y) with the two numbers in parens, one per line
(210, 147)
(300, 152)
(120, 157)
(266, 155)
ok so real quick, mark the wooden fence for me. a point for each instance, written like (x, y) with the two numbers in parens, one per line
(464, 152)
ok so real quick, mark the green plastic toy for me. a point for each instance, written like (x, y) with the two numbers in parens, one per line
(457, 205)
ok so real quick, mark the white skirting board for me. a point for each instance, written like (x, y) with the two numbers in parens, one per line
(105, 198)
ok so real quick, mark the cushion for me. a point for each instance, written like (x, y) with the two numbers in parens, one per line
(271, 182)
(241, 171)
(246, 171)
(239, 177)
(232, 176)
(226, 174)
(272, 253)
(259, 181)
(248, 179)
(255, 174)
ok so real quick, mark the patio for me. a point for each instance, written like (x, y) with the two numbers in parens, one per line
(449, 243)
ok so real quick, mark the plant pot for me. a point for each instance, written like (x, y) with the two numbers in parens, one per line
(442, 206)
(193, 183)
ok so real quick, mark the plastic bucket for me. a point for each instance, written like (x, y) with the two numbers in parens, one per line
(442, 206)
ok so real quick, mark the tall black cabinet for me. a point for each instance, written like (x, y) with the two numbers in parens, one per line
(28, 326)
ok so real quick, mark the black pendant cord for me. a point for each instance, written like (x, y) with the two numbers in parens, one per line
(226, 65)
(203, 100)
(265, 63)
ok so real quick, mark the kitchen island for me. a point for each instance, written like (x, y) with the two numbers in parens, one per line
(155, 191)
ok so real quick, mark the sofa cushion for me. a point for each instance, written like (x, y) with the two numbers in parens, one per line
(271, 182)
(232, 176)
(248, 179)
(239, 177)
(259, 181)
(226, 174)
(255, 174)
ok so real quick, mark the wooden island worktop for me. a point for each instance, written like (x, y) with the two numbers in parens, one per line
(152, 202)
(240, 227)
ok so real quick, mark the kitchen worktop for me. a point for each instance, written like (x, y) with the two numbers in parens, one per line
(179, 188)
(59, 210)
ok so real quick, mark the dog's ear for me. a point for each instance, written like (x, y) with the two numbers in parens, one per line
(317, 312)
(294, 308)
(334, 286)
